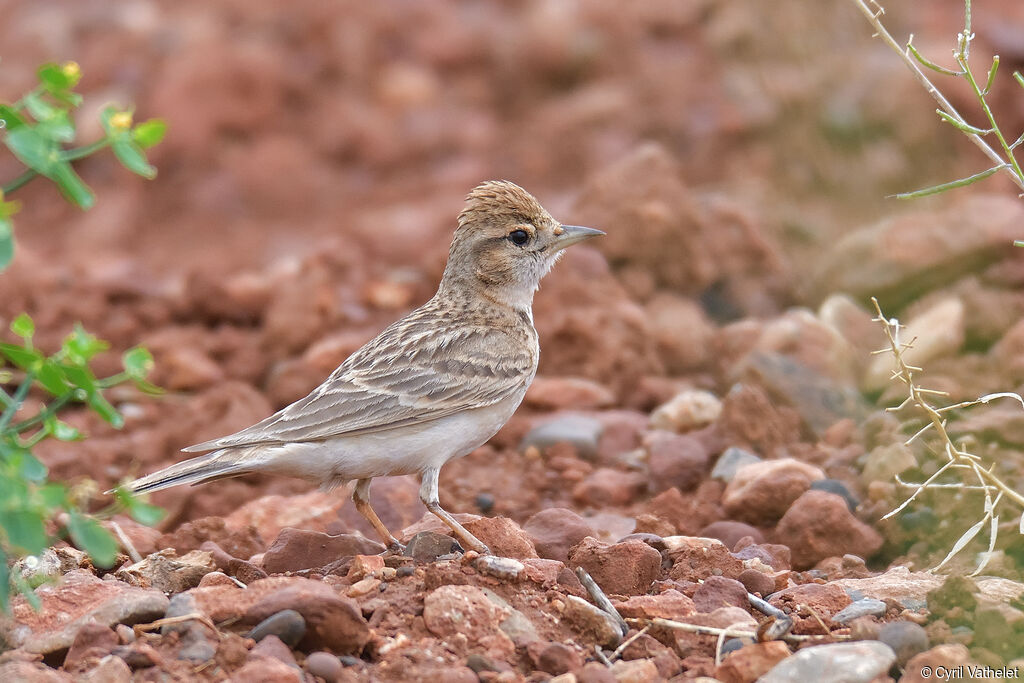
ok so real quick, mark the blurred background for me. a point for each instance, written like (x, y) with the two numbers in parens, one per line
(319, 152)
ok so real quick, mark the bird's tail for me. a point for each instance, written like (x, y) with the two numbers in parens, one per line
(230, 462)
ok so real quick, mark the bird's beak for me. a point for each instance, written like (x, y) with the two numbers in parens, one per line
(566, 235)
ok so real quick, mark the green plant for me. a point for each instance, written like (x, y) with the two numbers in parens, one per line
(38, 128)
(1003, 154)
(33, 510)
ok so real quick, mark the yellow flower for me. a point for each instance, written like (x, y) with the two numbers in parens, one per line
(71, 69)
(122, 120)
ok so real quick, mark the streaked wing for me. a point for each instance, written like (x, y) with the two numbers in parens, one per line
(419, 369)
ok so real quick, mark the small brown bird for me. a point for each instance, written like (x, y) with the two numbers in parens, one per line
(433, 386)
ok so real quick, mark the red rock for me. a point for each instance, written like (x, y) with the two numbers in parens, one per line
(636, 671)
(144, 538)
(572, 393)
(751, 661)
(949, 656)
(718, 591)
(187, 368)
(271, 646)
(626, 568)
(761, 492)
(682, 331)
(236, 541)
(325, 665)
(365, 565)
(79, 598)
(607, 486)
(689, 644)
(32, 672)
(296, 549)
(825, 599)
(94, 641)
(332, 622)
(695, 558)
(545, 573)
(819, 525)
(465, 613)
(730, 532)
(670, 604)
(595, 672)
(267, 670)
(553, 658)
(216, 579)
(555, 530)
(750, 418)
(774, 555)
(675, 460)
(315, 510)
(622, 431)
(757, 582)
(108, 670)
(502, 536)
(592, 624)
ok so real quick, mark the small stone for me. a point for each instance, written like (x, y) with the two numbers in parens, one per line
(675, 460)
(555, 530)
(858, 662)
(839, 488)
(825, 599)
(363, 587)
(906, 639)
(245, 571)
(688, 410)
(731, 461)
(694, 558)
(503, 536)
(267, 670)
(595, 672)
(622, 568)
(751, 661)
(592, 624)
(635, 671)
(467, 611)
(168, 573)
(574, 393)
(107, 670)
(762, 492)
(480, 663)
(272, 646)
(819, 525)
(288, 625)
(730, 532)
(484, 502)
(296, 549)
(670, 604)
(885, 461)
(181, 605)
(718, 591)
(427, 546)
(860, 608)
(93, 641)
(584, 433)
(504, 568)
(609, 486)
(899, 584)
(757, 582)
(215, 579)
(196, 647)
(325, 665)
(949, 657)
(365, 565)
(554, 658)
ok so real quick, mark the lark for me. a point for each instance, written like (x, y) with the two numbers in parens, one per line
(434, 386)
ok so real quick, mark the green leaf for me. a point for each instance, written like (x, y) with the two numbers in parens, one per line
(80, 346)
(10, 117)
(23, 326)
(89, 536)
(20, 356)
(103, 408)
(133, 158)
(79, 376)
(138, 362)
(71, 186)
(31, 469)
(950, 185)
(58, 78)
(61, 430)
(53, 495)
(24, 530)
(34, 150)
(149, 133)
(144, 513)
(6, 242)
(51, 376)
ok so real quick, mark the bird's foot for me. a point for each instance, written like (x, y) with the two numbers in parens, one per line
(394, 548)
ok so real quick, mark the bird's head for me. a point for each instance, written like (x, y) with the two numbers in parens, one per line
(506, 242)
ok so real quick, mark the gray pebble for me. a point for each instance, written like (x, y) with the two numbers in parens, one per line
(731, 460)
(860, 608)
(288, 625)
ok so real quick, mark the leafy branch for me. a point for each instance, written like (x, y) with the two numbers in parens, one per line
(37, 129)
(1003, 154)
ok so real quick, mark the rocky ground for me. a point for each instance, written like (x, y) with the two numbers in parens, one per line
(708, 422)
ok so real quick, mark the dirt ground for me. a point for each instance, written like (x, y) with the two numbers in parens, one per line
(739, 156)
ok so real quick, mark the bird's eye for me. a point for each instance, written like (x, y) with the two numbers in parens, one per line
(518, 237)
